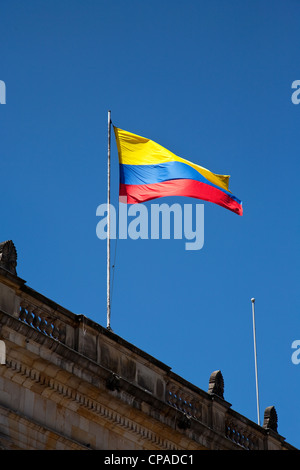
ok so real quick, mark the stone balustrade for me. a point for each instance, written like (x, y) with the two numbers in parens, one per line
(44, 323)
(184, 400)
(241, 435)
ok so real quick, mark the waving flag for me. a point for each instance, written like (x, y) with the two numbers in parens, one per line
(149, 171)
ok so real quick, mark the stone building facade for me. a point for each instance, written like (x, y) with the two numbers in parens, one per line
(67, 383)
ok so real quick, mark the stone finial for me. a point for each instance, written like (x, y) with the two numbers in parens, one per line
(270, 418)
(8, 256)
(216, 384)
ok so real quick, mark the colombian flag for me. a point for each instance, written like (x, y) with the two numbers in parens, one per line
(149, 171)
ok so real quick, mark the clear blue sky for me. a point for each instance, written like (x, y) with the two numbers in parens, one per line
(211, 81)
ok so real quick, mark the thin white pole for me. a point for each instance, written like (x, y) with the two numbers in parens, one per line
(255, 359)
(108, 223)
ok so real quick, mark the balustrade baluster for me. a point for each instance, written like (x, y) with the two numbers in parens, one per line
(23, 314)
(42, 324)
(55, 332)
(49, 327)
(36, 321)
(29, 316)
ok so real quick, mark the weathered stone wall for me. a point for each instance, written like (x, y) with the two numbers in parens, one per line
(68, 383)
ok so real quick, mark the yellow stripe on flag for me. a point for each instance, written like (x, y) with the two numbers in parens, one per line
(136, 150)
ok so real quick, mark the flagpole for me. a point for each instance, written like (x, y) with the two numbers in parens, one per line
(255, 359)
(108, 223)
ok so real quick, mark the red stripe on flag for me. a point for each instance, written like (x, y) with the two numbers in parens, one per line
(181, 187)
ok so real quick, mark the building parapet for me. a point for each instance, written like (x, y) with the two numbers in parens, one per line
(35, 330)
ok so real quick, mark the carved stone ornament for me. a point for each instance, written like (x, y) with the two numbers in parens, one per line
(8, 256)
(216, 384)
(113, 382)
(184, 422)
(270, 418)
